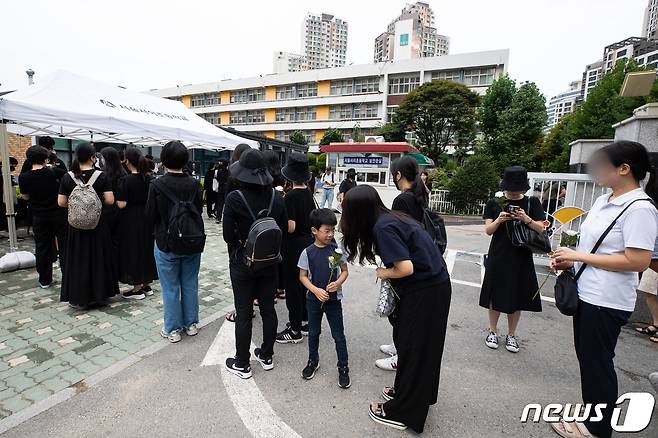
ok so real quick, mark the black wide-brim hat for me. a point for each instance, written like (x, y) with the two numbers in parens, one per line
(251, 169)
(296, 169)
(515, 179)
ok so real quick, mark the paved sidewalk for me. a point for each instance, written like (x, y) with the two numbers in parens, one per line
(46, 346)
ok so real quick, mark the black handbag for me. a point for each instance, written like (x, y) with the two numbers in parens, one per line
(522, 235)
(566, 285)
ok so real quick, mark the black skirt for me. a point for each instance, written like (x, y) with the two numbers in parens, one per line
(89, 277)
(136, 260)
(422, 319)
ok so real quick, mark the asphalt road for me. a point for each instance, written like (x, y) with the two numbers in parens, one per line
(482, 392)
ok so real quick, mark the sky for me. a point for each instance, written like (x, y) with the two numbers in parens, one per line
(145, 44)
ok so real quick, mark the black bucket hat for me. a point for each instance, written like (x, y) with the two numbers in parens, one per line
(251, 169)
(296, 169)
(515, 179)
(351, 173)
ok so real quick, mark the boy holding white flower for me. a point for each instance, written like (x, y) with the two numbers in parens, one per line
(322, 271)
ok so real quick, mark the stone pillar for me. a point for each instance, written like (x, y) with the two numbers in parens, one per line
(581, 152)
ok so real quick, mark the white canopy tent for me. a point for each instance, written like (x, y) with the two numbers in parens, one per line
(71, 106)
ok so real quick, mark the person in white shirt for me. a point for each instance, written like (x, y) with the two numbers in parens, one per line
(328, 181)
(649, 288)
(607, 286)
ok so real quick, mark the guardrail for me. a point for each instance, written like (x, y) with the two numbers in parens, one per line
(440, 202)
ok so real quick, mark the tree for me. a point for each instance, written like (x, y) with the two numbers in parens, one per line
(475, 181)
(331, 135)
(497, 99)
(520, 129)
(356, 133)
(316, 162)
(441, 113)
(298, 137)
(391, 132)
(553, 155)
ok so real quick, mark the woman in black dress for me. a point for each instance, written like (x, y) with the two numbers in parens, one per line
(510, 281)
(418, 273)
(299, 204)
(88, 278)
(114, 170)
(136, 260)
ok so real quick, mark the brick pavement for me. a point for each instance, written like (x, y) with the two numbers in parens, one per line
(46, 346)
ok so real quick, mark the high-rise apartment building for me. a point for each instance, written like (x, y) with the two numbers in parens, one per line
(324, 45)
(650, 23)
(563, 103)
(591, 77)
(411, 35)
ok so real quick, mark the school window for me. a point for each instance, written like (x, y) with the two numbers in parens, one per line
(255, 94)
(340, 112)
(239, 96)
(197, 100)
(342, 87)
(307, 90)
(403, 84)
(479, 76)
(305, 113)
(285, 92)
(238, 117)
(390, 112)
(211, 118)
(257, 116)
(365, 111)
(447, 75)
(210, 99)
(285, 115)
(366, 85)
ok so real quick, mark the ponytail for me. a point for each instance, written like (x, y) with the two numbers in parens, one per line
(138, 161)
(408, 168)
(83, 153)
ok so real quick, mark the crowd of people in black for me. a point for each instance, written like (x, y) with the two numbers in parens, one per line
(112, 219)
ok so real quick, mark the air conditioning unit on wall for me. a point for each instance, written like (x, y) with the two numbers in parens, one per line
(374, 139)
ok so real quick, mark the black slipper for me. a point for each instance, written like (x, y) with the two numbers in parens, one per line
(378, 417)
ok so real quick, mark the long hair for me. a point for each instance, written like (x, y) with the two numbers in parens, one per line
(83, 153)
(138, 161)
(636, 156)
(273, 164)
(238, 151)
(112, 164)
(408, 168)
(362, 206)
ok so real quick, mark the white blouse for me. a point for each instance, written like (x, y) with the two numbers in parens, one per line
(637, 228)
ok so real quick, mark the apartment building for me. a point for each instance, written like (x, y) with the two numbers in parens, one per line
(563, 103)
(650, 22)
(312, 101)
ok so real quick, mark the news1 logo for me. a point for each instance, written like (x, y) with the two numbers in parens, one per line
(638, 412)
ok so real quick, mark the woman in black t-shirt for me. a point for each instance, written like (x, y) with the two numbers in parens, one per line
(411, 201)
(510, 282)
(299, 204)
(136, 260)
(39, 186)
(89, 277)
(419, 276)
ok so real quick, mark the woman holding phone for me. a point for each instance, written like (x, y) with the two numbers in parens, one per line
(510, 281)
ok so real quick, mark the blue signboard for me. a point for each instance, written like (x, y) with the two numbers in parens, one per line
(371, 161)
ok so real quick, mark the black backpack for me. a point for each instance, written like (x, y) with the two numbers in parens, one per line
(185, 231)
(263, 245)
(436, 228)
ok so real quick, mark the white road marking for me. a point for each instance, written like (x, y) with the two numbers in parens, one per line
(450, 257)
(466, 283)
(252, 407)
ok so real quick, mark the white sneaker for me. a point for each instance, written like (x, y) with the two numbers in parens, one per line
(492, 340)
(388, 364)
(512, 344)
(388, 349)
(192, 330)
(173, 337)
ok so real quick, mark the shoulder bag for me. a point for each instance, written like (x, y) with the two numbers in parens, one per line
(522, 235)
(566, 285)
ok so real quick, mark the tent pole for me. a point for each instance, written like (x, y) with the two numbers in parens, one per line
(8, 188)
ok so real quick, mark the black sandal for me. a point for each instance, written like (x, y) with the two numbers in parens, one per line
(230, 316)
(378, 416)
(280, 294)
(649, 330)
(388, 393)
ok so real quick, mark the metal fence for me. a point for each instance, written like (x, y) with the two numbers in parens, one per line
(440, 202)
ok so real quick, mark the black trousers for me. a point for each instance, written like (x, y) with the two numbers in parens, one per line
(211, 197)
(295, 291)
(49, 238)
(219, 203)
(246, 288)
(595, 333)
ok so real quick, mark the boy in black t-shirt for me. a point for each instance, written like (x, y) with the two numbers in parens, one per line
(323, 270)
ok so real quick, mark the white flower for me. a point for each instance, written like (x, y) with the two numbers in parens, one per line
(338, 251)
(499, 194)
(571, 233)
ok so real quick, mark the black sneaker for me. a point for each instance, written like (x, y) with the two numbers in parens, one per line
(309, 372)
(304, 328)
(289, 336)
(233, 367)
(146, 290)
(133, 295)
(266, 362)
(344, 377)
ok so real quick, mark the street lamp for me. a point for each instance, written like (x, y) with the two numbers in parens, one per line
(30, 76)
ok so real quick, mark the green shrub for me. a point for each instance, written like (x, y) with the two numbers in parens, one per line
(473, 182)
